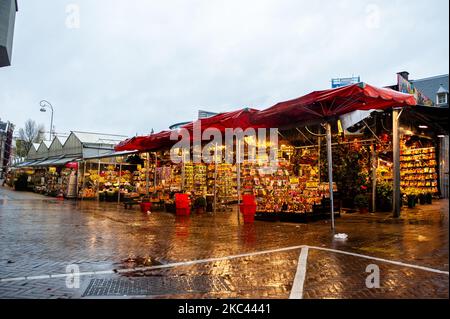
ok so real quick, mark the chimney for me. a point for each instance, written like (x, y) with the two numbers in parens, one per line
(404, 74)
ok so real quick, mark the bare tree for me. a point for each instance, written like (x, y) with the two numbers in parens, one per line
(31, 133)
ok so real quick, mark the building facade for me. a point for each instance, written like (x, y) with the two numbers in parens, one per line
(6, 145)
(8, 9)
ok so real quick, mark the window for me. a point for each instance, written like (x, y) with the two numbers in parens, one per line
(442, 98)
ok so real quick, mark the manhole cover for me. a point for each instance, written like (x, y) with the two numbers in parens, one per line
(141, 286)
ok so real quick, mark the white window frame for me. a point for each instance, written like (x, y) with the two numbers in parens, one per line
(445, 98)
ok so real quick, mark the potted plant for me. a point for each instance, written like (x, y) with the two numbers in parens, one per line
(411, 197)
(362, 203)
(429, 198)
(422, 199)
(200, 204)
(384, 196)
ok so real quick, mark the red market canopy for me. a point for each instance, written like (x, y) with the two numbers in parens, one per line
(323, 105)
(317, 106)
(241, 118)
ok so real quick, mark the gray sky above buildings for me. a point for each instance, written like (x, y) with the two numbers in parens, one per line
(130, 66)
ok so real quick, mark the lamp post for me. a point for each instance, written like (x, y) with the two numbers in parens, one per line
(46, 104)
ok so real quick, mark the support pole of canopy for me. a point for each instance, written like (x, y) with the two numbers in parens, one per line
(374, 164)
(98, 183)
(215, 178)
(77, 179)
(120, 175)
(147, 173)
(330, 172)
(154, 174)
(238, 171)
(183, 169)
(396, 159)
(319, 139)
(84, 180)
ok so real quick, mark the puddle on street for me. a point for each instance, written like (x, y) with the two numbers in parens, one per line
(133, 262)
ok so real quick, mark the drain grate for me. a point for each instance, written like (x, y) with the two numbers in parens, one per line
(143, 286)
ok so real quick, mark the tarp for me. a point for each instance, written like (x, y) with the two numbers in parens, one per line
(241, 118)
(329, 104)
(314, 107)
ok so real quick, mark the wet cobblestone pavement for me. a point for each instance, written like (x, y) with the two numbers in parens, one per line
(41, 236)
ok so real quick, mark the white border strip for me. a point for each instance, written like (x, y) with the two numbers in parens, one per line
(300, 275)
(202, 261)
(394, 262)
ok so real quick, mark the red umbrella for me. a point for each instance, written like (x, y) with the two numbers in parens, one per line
(328, 104)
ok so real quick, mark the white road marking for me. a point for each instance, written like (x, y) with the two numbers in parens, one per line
(299, 280)
(208, 260)
(394, 262)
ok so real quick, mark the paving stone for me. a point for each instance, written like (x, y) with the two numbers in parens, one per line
(41, 236)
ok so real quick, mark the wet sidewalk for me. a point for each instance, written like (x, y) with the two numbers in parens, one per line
(41, 236)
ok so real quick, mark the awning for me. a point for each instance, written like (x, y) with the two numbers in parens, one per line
(25, 164)
(111, 154)
(38, 162)
(64, 161)
(315, 107)
(242, 118)
(319, 106)
(48, 161)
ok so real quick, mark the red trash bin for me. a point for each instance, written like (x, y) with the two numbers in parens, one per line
(182, 204)
(145, 206)
(248, 208)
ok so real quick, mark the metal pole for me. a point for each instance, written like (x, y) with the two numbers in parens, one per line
(396, 158)
(215, 178)
(183, 170)
(154, 175)
(374, 165)
(318, 156)
(330, 172)
(84, 180)
(98, 183)
(238, 171)
(78, 176)
(120, 174)
(147, 177)
(51, 125)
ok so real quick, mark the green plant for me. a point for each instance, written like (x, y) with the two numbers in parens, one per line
(384, 196)
(200, 202)
(350, 170)
(361, 201)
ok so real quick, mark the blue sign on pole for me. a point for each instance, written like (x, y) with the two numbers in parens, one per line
(340, 82)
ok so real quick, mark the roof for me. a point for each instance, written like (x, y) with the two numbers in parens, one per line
(36, 145)
(98, 138)
(442, 89)
(430, 86)
(47, 143)
(61, 139)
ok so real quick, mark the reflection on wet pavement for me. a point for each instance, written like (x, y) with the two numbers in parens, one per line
(39, 235)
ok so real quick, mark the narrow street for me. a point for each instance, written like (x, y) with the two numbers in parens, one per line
(41, 236)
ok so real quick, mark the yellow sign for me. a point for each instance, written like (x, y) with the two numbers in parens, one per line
(52, 169)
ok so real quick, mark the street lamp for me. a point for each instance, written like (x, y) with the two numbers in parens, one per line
(46, 104)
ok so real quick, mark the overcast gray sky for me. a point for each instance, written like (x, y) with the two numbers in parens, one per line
(130, 66)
